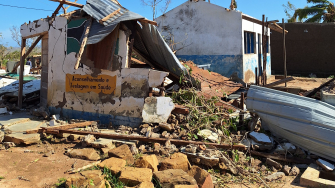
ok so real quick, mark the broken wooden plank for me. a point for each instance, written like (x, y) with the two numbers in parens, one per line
(83, 43)
(84, 167)
(144, 20)
(145, 139)
(69, 3)
(279, 82)
(319, 88)
(137, 61)
(109, 16)
(22, 58)
(57, 10)
(283, 158)
(61, 127)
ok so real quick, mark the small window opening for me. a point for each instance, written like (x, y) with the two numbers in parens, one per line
(249, 42)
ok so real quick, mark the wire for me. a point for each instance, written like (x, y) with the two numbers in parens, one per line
(24, 7)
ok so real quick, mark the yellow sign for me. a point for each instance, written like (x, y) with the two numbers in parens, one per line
(86, 83)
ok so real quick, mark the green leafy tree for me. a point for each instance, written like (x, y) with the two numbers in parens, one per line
(320, 11)
(289, 10)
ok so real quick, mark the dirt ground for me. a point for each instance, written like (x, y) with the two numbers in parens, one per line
(26, 167)
(303, 83)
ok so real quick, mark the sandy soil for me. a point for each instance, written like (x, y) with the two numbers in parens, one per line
(306, 84)
(26, 167)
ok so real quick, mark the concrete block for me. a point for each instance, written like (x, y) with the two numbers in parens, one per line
(157, 109)
(311, 178)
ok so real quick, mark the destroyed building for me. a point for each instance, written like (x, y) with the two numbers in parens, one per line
(97, 81)
(227, 41)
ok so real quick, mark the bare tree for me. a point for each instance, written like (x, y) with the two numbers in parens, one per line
(16, 36)
(154, 6)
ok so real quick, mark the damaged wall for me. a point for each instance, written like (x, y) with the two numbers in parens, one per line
(208, 34)
(75, 93)
(251, 61)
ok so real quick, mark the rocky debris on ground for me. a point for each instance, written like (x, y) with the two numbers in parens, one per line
(175, 161)
(113, 164)
(285, 148)
(87, 179)
(40, 112)
(157, 109)
(209, 135)
(147, 161)
(325, 165)
(122, 152)
(87, 140)
(132, 176)
(275, 176)
(86, 153)
(202, 177)
(2, 136)
(260, 138)
(172, 177)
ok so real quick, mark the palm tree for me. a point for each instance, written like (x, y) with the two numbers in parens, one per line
(322, 10)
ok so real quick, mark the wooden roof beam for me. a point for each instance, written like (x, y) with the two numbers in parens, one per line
(274, 26)
(69, 3)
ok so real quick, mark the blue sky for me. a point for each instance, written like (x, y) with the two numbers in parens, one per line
(272, 9)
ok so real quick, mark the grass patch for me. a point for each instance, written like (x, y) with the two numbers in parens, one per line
(113, 180)
(61, 181)
(1, 177)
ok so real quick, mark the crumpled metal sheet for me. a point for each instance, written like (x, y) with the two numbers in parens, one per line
(305, 122)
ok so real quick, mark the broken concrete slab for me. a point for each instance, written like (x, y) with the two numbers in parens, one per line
(202, 177)
(86, 153)
(157, 109)
(176, 161)
(311, 178)
(147, 161)
(20, 138)
(132, 176)
(172, 177)
(103, 143)
(209, 135)
(19, 117)
(114, 164)
(325, 165)
(261, 138)
(122, 152)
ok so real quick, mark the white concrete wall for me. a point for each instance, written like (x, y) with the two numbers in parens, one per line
(205, 28)
(123, 106)
(250, 61)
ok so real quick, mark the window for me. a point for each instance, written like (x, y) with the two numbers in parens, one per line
(249, 42)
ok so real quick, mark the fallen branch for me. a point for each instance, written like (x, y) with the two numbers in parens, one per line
(319, 88)
(84, 167)
(282, 158)
(144, 139)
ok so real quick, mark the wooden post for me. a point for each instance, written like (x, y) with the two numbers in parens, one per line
(263, 48)
(284, 52)
(242, 108)
(256, 76)
(83, 43)
(22, 58)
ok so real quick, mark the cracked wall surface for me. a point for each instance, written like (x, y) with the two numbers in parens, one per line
(122, 107)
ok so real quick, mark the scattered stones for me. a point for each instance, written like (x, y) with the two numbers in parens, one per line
(255, 145)
(122, 152)
(131, 176)
(285, 147)
(286, 170)
(74, 137)
(114, 164)
(166, 126)
(86, 153)
(20, 138)
(40, 112)
(8, 144)
(172, 177)
(294, 171)
(260, 138)
(102, 143)
(87, 179)
(176, 161)
(275, 176)
(142, 148)
(273, 163)
(145, 185)
(229, 164)
(147, 161)
(87, 140)
(2, 136)
(202, 177)
(209, 135)
(133, 150)
(325, 165)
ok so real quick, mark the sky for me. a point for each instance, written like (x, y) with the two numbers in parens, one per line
(11, 16)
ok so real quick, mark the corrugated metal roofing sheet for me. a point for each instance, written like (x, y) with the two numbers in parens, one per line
(306, 122)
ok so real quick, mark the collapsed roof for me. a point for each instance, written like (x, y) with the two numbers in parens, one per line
(148, 42)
